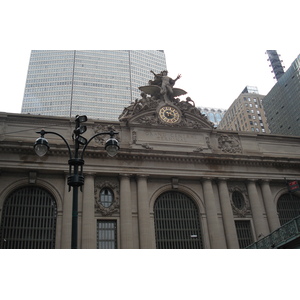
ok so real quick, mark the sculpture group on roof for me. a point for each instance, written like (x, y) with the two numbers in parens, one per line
(165, 82)
(160, 90)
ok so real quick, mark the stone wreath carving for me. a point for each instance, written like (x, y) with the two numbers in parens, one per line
(229, 144)
(113, 185)
(245, 209)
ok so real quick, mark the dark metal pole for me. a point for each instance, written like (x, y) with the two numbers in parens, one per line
(74, 218)
(75, 181)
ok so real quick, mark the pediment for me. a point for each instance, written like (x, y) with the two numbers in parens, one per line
(188, 116)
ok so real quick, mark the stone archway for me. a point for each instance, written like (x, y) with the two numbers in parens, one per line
(177, 223)
(28, 219)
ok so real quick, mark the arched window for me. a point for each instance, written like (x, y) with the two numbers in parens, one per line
(238, 200)
(211, 117)
(177, 224)
(28, 219)
(288, 208)
(106, 197)
(218, 117)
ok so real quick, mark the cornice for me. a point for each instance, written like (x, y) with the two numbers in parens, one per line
(165, 156)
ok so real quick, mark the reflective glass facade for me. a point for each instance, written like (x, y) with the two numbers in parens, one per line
(282, 103)
(214, 115)
(97, 83)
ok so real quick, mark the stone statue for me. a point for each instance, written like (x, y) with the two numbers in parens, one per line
(164, 81)
(162, 87)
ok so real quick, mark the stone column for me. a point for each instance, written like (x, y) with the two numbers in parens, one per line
(271, 210)
(67, 217)
(125, 213)
(145, 237)
(216, 236)
(227, 214)
(88, 236)
(260, 222)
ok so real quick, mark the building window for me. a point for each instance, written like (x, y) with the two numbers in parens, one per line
(288, 208)
(106, 234)
(238, 200)
(28, 219)
(177, 223)
(244, 233)
(106, 197)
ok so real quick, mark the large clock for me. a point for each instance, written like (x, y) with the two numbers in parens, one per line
(169, 114)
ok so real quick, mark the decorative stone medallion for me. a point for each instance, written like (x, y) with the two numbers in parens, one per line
(107, 208)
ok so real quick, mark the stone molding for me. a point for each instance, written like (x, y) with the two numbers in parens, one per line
(152, 155)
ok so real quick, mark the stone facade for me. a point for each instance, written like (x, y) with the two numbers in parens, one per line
(176, 182)
(189, 157)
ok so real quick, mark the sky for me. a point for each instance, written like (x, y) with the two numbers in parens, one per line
(217, 46)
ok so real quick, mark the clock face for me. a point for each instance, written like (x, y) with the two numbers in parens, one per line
(169, 114)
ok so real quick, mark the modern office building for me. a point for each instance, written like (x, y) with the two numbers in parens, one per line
(214, 115)
(98, 83)
(282, 103)
(275, 63)
(246, 113)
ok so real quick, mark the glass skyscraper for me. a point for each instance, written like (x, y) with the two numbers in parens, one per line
(97, 83)
(282, 103)
(214, 115)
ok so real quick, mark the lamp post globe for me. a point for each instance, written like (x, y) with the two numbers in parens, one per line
(41, 146)
(112, 147)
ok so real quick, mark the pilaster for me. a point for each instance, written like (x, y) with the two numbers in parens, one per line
(260, 222)
(217, 240)
(228, 220)
(125, 212)
(270, 206)
(88, 214)
(145, 236)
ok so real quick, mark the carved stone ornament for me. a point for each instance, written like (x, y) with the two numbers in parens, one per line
(101, 139)
(158, 106)
(229, 144)
(113, 185)
(245, 209)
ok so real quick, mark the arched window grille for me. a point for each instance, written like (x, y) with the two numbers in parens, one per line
(28, 219)
(177, 224)
(106, 197)
(238, 200)
(288, 207)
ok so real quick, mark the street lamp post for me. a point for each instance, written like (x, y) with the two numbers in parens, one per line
(76, 162)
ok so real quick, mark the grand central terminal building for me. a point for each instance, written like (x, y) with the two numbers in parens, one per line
(176, 182)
